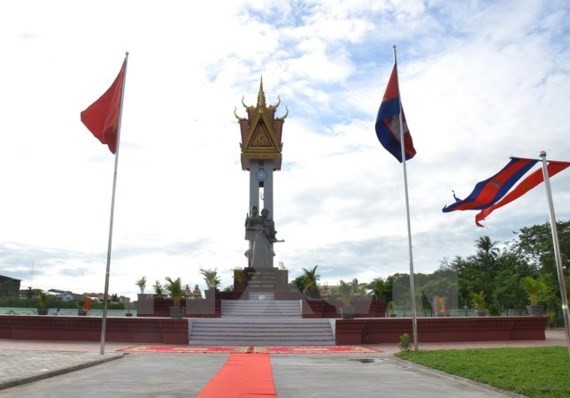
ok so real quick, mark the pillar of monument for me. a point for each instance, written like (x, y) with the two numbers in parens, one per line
(261, 148)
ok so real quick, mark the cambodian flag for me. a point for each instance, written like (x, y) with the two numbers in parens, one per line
(388, 121)
(488, 192)
(530, 182)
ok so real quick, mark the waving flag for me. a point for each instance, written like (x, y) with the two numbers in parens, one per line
(533, 180)
(102, 117)
(388, 121)
(488, 192)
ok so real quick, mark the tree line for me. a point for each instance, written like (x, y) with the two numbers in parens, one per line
(495, 278)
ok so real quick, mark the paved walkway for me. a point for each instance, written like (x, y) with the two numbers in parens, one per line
(173, 375)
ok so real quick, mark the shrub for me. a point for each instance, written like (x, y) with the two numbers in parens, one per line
(404, 342)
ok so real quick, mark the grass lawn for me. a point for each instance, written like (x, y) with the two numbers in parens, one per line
(533, 372)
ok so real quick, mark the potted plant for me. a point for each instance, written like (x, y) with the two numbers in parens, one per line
(174, 289)
(479, 302)
(158, 289)
(535, 290)
(43, 299)
(128, 309)
(212, 281)
(82, 304)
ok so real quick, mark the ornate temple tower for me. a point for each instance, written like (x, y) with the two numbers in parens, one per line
(261, 148)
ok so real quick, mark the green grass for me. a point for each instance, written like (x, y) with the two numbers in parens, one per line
(533, 372)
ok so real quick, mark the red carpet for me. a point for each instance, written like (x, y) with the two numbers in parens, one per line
(185, 349)
(243, 375)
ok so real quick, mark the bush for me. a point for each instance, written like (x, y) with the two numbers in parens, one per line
(494, 310)
(404, 343)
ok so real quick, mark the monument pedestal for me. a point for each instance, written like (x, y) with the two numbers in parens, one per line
(261, 280)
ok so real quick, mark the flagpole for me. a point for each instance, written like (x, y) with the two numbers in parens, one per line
(110, 243)
(412, 284)
(557, 255)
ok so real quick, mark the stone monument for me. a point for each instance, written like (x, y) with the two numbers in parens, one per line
(261, 148)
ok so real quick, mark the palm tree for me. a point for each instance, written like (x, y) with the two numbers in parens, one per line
(310, 282)
(479, 300)
(534, 288)
(141, 283)
(174, 290)
(345, 291)
(211, 278)
(377, 288)
(487, 251)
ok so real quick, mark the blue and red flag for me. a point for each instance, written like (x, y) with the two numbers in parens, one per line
(486, 193)
(533, 180)
(388, 121)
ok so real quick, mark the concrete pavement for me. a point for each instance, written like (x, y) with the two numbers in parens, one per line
(27, 369)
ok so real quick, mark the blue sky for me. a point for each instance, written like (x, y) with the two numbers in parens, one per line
(480, 81)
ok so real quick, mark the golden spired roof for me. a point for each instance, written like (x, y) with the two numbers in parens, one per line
(261, 132)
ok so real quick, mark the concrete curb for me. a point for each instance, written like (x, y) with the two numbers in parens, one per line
(56, 372)
(458, 378)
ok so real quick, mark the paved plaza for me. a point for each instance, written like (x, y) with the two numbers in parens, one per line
(71, 369)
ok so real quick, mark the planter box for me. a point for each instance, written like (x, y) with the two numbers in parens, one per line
(86, 328)
(535, 310)
(444, 329)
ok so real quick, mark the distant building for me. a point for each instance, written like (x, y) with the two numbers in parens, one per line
(66, 295)
(9, 287)
(63, 295)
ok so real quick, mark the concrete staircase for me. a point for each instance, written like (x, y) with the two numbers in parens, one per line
(261, 323)
(262, 308)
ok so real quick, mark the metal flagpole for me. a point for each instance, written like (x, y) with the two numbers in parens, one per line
(557, 255)
(110, 243)
(412, 284)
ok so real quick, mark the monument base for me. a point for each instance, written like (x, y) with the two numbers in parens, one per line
(261, 280)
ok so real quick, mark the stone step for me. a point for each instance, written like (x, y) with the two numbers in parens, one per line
(261, 295)
(276, 343)
(255, 331)
(261, 308)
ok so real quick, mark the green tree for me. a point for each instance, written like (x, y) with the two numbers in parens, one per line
(307, 283)
(158, 288)
(479, 300)
(535, 245)
(487, 252)
(377, 289)
(358, 289)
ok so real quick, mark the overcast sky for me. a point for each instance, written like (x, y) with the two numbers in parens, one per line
(480, 81)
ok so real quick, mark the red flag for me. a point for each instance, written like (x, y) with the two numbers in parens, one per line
(102, 116)
(524, 186)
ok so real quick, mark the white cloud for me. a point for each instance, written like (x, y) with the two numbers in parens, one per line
(479, 82)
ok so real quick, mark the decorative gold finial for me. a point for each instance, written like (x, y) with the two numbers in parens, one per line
(261, 95)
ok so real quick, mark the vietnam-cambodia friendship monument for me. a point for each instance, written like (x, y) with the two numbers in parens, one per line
(261, 155)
